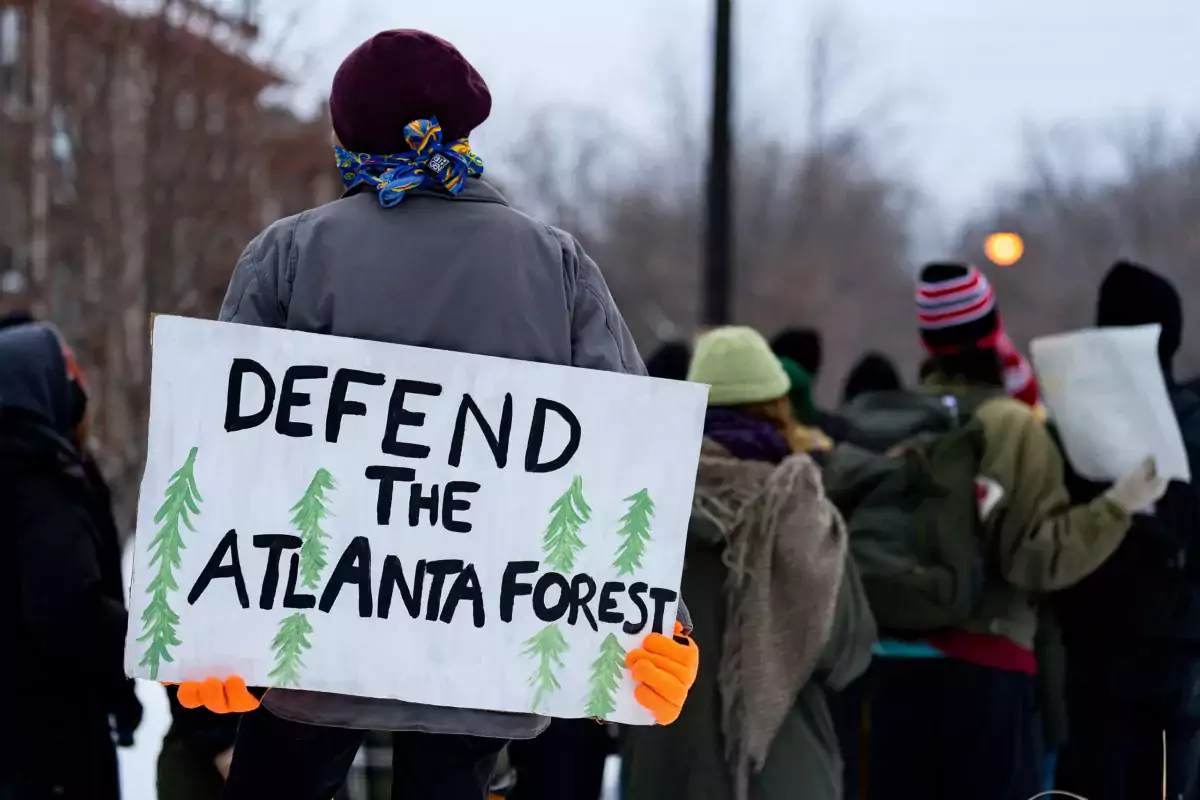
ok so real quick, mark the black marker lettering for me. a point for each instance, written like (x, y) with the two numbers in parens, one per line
(511, 588)
(340, 407)
(450, 504)
(353, 567)
(660, 597)
(537, 433)
(547, 613)
(635, 594)
(580, 599)
(439, 570)
(234, 419)
(393, 576)
(215, 569)
(276, 543)
(497, 442)
(292, 598)
(608, 613)
(398, 415)
(388, 477)
(289, 398)
(466, 585)
(418, 501)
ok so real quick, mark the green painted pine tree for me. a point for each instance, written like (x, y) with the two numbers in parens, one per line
(561, 542)
(289, 646)
(635, 532)
(547, 647)
(606, 677)
(158, 618)
(308, 513)
(292, 640)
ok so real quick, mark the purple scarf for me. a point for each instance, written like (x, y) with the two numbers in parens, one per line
(744, 437)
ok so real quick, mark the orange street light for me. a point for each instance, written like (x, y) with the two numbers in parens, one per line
(1004, 249)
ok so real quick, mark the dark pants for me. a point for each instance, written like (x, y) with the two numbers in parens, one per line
(565, 763)
(943, 729)
(184, 774)
(846, 707)
(277, 758)
(1115, 749)
(77, 762)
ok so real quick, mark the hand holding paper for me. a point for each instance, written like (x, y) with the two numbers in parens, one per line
(1138, 491)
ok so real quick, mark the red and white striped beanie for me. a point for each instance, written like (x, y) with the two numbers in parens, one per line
(956, 307)
(956, 310)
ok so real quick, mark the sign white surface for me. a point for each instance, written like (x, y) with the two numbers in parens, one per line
(398, 522)
(1108, 397)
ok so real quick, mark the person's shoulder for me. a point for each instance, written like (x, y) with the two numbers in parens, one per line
(1012, 423)
(1008, 412)
(281, 233)
(333, 211)
(39, 477)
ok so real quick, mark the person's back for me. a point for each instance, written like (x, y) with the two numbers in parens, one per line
(756, 724)
(954, 710)
(420, 251)
(462, 272)
(1132, 629)
(60, 586)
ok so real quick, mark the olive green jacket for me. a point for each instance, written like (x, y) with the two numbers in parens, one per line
(1037, 540)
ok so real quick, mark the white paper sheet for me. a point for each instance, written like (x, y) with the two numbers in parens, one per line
(1106, 392)
(325, 607)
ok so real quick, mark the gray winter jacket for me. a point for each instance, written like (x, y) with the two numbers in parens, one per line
(467, 274)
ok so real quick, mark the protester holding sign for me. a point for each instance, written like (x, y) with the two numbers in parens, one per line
(766, 552)
(63, 606)
(954, 714)
(1132, 628)
(420, 250)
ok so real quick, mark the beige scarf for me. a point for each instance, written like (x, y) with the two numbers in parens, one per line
(785, 551)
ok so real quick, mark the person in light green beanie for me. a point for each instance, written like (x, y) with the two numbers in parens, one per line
(764, 577)
(746, 377)
(738, 366)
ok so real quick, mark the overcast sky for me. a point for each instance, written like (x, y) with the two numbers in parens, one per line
(964, 80)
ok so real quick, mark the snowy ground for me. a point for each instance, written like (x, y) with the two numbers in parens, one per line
(138, 762)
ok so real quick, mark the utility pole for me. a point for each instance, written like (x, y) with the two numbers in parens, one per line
(718, 238)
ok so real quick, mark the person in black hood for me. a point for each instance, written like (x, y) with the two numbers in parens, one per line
(1132, 629)
(61, 600)
(872, 373)
(803, 346)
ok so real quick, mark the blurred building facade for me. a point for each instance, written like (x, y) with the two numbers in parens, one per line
(136, 163)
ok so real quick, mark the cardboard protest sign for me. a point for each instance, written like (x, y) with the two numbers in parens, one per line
(398, 522)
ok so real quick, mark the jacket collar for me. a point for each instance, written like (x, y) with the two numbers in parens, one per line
(476, 190)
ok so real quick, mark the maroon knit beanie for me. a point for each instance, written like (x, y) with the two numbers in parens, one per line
(396, 77)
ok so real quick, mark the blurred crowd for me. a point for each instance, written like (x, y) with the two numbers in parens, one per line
(910, 595)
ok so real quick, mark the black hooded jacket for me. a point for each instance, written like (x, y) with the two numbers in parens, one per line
(1135, 623)
(62, 616)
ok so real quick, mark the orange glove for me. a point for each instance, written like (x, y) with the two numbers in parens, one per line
(665, 670)
(230, 697)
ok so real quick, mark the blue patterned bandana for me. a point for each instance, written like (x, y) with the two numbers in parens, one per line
(429, 164)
